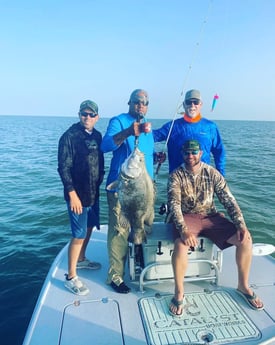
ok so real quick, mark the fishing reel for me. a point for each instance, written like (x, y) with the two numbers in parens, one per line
(163, 209)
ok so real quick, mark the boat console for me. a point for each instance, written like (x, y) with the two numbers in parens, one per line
(150, 262)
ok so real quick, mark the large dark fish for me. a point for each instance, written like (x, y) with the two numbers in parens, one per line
(136, 195)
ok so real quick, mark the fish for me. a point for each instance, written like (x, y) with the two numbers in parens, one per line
(136, 194)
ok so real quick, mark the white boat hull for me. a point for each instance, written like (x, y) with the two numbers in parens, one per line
(106, 317)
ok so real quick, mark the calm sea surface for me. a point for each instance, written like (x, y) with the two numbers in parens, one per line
(33, 218)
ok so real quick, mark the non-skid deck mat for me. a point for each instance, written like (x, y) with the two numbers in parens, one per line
(208, 318)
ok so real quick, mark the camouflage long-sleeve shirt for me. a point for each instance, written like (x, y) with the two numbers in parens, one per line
(194, 193)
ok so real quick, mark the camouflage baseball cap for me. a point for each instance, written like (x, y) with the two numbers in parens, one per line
(191, 145)
(89, 104)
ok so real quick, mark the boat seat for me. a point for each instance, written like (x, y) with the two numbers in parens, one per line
(150, 262)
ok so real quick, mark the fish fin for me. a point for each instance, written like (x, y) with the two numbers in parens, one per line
(123, 221)
(137, 237)
(112, 186)
(149, 220)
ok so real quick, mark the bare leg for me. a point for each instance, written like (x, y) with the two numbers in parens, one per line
(179, 262)
(243, 261)
(85, 244)
(73, 255)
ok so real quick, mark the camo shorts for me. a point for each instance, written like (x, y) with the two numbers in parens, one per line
(215, 227)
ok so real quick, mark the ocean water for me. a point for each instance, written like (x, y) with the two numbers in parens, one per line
(33, 217)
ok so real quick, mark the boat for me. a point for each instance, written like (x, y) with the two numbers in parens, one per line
(214, 313)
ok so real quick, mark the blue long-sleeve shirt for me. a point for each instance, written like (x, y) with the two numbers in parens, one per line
(205, 131)
(120, 153)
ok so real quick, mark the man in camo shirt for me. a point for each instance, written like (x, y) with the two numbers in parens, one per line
(191, 190)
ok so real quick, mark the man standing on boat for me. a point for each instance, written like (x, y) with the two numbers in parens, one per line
(191, 191)
(81, 168)
(192, 126)
(120, 138)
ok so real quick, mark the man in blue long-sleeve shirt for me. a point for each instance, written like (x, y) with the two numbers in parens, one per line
(192, 126)
(120, 140)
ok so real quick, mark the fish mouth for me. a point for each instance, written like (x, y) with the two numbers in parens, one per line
(128, 175)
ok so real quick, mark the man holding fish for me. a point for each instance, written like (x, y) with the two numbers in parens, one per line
(128, 136)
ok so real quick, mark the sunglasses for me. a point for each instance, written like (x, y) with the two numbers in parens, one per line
(194, 152)
(141, 103)
(190, 101)
(85, 114)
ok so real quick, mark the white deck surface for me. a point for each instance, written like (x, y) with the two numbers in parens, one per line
(105, 317)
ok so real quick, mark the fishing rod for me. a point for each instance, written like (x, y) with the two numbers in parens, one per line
(139, 117)
(180, 101)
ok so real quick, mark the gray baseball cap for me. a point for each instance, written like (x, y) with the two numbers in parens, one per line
(192, 94)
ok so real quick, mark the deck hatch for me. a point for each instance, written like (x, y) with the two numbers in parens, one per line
(208, 318)
(92, 321)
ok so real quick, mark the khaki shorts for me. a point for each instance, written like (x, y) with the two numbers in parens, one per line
(215, 227)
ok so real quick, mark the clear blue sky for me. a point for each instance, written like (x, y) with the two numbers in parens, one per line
(57, 53)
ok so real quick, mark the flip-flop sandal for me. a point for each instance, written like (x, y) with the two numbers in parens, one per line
(249, 299)
(176, 304)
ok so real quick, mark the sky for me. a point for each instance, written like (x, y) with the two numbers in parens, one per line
(57, 53)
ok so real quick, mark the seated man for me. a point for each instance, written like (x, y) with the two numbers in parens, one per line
(191, 190)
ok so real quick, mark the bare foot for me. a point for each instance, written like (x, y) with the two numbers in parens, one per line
(176, 307)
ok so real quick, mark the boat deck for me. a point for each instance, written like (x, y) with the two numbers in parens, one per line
(212, 315)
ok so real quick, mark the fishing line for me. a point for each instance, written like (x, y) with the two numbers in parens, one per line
(194, 56)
